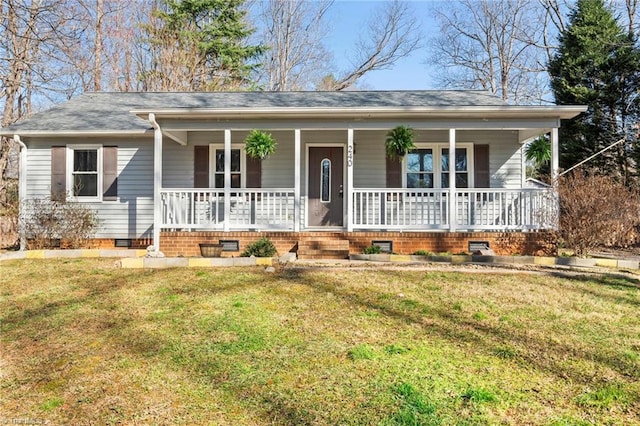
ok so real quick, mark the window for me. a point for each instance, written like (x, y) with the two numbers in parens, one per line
(420, 169)
(325, 181)
(84, 179)
(237, 167)
(461, 168)
(428, 166)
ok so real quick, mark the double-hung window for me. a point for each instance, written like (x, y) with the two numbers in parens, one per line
(237, 166)
(428, 166)
(84, 172)
(461, 167)
(420, 168)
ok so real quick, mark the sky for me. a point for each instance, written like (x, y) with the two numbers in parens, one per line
(349, 18)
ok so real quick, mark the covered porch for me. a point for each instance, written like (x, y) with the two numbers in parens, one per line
(330, 172)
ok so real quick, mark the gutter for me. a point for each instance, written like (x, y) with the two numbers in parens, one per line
(482, 112)
(22, 190)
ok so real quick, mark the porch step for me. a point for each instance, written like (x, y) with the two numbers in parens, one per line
(323, 248)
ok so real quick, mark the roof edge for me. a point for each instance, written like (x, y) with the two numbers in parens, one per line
(556, 111)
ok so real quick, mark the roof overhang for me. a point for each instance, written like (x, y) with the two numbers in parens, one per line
(75, 133)
(477, 112)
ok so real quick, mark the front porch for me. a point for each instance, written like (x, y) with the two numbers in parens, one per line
(330, 173)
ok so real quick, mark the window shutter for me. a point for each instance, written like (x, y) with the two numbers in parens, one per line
(394, 173)
(482, 173)
(201, 166)
(254, 173)
(58, 173)
(110, 173)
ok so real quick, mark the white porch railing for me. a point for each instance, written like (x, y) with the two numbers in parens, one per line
(399, 209)
(506, 209)
(476, 209)
(372, 209)
(271, 209)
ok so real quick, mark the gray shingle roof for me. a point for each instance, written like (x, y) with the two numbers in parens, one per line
(110, 111)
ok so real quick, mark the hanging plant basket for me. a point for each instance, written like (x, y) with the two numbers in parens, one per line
(259, 144)
(399, 142)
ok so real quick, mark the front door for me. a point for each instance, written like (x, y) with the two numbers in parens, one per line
(325, 186)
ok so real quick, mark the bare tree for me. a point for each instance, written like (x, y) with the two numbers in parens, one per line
(293, 32)
(492, 46)
(393, 33)
(33, 72)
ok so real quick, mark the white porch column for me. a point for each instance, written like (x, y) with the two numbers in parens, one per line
(227, 178)
(555, 156)
(296, 178)
(453, 217)
(157, 180)
(22, 191)
(348, 192)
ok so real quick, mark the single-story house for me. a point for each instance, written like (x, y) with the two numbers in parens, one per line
(169, 169)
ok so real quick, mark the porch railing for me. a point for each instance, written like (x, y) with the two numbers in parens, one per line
(372, 209)
(506, 209)
(399, 208)
(475, 209)
(248, 209)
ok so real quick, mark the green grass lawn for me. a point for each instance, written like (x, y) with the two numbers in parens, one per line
(83, 342)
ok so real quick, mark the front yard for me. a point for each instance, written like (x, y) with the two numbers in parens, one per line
(83, 342)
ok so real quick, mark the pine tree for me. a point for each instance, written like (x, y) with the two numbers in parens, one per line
(201, 45)
(597, 64)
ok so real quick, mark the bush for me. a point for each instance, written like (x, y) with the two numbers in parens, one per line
(45, 220)
(596, 211)
(261, 248)
(372, 250)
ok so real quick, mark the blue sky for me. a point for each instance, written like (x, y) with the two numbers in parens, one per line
(349, 18)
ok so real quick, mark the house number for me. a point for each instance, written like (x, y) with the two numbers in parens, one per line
(349, 155)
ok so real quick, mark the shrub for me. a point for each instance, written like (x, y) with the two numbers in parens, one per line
(261, 248)
(372, 250)
(45, 220)
(423, 253)
(597, 211)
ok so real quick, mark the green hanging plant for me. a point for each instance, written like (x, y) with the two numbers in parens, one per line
(259, 144)
(399, 142)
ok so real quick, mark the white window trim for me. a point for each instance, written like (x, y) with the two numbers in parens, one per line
(212, 163)
(69, 173)
(437, 162)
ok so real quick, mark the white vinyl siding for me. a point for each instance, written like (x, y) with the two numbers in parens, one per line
(131, 216)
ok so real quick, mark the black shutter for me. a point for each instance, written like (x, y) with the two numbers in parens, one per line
(58, 173)
(201, 166)
(110, 173)
(482, 174)
(254, 173)
(394, 173)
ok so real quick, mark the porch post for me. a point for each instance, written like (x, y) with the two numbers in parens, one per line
(350, 151)
(22, 191)
(227, 178)
(296, 183)
(452, 180)
(555, 161)
(157, 180)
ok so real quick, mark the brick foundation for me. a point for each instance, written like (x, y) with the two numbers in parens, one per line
(502, 243)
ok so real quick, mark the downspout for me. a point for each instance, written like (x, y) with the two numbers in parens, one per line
(22, 190)
(157, 181)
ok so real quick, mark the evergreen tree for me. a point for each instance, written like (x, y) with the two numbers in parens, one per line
(201, 45)
(597, 64)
